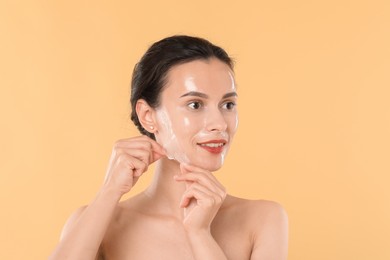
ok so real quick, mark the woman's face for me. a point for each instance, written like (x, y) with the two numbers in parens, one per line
(197, 117)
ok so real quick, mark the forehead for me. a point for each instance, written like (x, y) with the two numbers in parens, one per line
(210, 76)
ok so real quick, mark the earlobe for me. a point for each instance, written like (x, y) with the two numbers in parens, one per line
(145, 115)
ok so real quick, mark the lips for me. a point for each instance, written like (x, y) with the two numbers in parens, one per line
(213, 146)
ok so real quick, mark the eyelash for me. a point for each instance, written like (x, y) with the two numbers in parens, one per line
(200, 105)
(233, 104)
(194, 102)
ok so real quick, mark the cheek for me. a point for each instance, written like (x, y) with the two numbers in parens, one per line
(186, 122)
(175, 135)
(182, 125)
(232, 122)
(235, 122)
(186, 127)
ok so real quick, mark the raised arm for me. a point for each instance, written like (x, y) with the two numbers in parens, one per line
(85, 229)
(201, 201)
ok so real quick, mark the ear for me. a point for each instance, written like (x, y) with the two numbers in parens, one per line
(145, 115)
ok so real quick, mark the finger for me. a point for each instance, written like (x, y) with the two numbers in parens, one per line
(137, 166)
(156, 147)
(156, 156)
(201, 179)
(134, 144)
(202, 198)
(190, 194)
(202, 188)
(191, 168)
(140, 168)
(186, 168)
(140, 154)
(147, 144)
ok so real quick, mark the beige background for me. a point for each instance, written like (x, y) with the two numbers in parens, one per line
(314, 92)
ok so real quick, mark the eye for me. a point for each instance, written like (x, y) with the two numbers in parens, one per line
(229, 105)
(195, 105)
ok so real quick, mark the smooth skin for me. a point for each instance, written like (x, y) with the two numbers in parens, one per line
(185, 213)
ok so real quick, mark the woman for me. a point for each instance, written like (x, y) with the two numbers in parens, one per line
(184, 104)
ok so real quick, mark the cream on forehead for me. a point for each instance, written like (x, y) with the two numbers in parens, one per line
(189, 84)
(233, 82)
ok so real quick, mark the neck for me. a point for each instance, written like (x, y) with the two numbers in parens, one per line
(164, 193)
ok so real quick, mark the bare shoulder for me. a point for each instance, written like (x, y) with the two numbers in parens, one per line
(268, 222)
(265, 210)
(262, 217)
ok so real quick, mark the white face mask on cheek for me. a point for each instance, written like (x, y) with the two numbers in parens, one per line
(179, 147)
(168, 139)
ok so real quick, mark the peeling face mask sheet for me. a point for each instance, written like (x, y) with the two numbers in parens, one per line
(195, 123)
(169, 141)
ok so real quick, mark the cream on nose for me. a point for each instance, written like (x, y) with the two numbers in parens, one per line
(215, 121)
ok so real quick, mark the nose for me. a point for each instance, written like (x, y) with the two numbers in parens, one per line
(215, 121)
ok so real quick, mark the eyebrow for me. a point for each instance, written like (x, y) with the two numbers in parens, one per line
(202, 95)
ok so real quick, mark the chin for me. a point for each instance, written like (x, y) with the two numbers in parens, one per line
(209, 164)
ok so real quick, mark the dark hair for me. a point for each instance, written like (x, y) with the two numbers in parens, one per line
(149, 75)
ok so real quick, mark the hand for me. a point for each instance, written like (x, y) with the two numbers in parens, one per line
(130, 158)
(202, 199)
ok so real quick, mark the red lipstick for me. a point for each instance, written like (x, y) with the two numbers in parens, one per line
(213, 146)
